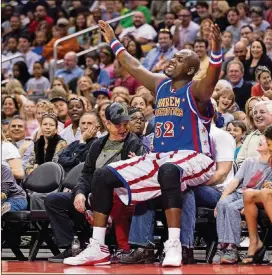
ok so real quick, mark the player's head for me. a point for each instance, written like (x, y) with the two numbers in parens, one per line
(183, 65)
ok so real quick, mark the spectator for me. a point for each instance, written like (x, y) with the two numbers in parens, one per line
(119, 144)
(158, 58)
(11, 155)
(69, 45)
(55, 10)
(106, 58)
(201, 48)
(169, 20)
(219, 11)
(263, 77)
(10, 107)
(15, 88)
(235, 23)
(71, 69)
(109, 12)
(81, 24)
(202, 12)
(268, 43)
(7, 12)
(59, 82)
(258, 24)
(61, 105)
(20, 72)
(247, 33)
(240, 53)
(268, 13)
(39, 42)
(85, 88)
(141, 31)
(227, 38)
(38, 85)
(134, 48)
(13, 197)
(241, 88)
(243, 13)
(204, 31)
(121, 98)
(31, 6)
(238, 130)
(251, 102)
(49, 144)
(92, 62)
(102, 117)
(262, 117)
(32, 123)
(40, 15)
(185, 30)
(30, 57)
(79, 6)
(124, 78)
(15, 28)
(241, 116)
(101, 95)
(77, 151)
(17, 134)
(252, 174)
(75, 111)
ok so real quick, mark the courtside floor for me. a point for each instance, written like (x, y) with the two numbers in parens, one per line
(44, 267)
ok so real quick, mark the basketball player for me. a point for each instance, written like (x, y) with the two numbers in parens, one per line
(182, 154)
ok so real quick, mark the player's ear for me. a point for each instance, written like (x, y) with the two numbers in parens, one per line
(191, 71)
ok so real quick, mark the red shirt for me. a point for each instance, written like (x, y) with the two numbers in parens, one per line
(256, 90)
(34, 24)
(130, 83)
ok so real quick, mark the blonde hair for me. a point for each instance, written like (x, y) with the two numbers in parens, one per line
(12, 84)
(223, 6)
(120, 89)
(122, 95)
(58, 92)
(202, 24)
(226, 91)
(47, 106)
(89, 80)
(250, 119)
(236, 115)
(61, 80)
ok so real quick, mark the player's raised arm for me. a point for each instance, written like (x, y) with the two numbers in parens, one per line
(131, 65)
(203, 89)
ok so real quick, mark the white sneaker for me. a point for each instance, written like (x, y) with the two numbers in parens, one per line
(94, 254)
(172, 250)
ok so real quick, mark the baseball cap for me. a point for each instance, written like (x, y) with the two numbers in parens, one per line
(117, 113)
(62, 22)
(102, 91)
(55, 99)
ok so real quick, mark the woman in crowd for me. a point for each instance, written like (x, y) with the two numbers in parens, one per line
(205, 26)
(244, 13)
(76, 109)
(134, 48)
(238, 130)
(81, 24)
(249, 111)
(48, 145)
(258, 57)
(32, 123)
(219, 11)
(252, 200)
(20, 72)
(59, 82)
(11, 155)
(106, 59)
(251, 175)
(102, 118)
(85, 88)
(264, 81)
(121, 98)
(10, 107)
(39, 41)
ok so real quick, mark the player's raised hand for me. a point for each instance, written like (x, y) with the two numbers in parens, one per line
(215, 36)
(106, 31)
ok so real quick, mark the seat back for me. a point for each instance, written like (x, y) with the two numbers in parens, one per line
(45, 178)
(73, 176)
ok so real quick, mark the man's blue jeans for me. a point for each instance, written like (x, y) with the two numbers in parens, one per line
(142, 225)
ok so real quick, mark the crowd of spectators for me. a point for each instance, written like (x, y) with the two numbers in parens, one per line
(63, 114)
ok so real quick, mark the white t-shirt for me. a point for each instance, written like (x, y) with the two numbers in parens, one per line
(38, 86)
(223, 149)
(68, 134)
(145, 31)
(9, 151)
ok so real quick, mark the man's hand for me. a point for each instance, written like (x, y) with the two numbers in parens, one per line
(106, 31)
(177, 23)
(215, 212)
(215, 37)
(79, 203)
(89, 133)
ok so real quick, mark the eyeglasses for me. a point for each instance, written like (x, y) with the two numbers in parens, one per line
(141, 119)
(184, 15)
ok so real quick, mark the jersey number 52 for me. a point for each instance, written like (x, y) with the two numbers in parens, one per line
(164, 129)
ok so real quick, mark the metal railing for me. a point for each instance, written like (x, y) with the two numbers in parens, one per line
(4, 60)
(76, 34)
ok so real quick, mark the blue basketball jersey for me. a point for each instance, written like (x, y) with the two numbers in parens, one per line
(178, 123)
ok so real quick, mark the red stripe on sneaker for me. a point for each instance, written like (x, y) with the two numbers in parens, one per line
(105, 260)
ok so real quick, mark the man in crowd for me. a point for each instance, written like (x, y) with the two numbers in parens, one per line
(157, 59)
(241, 88)
(201, 48)
(202, 11)
(40, 15)
(71, 70)
(15, 28)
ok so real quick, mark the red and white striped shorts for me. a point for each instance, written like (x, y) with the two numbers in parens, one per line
(140, 174)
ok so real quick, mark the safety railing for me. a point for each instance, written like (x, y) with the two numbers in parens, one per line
(76, 34)
(4, 60)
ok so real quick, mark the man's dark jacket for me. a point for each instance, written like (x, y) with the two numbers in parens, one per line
(131, 144)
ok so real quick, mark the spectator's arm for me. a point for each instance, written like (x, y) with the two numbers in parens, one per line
(176, 35)
(17, 168)
(232, 186)
(242, 155)
(25, 152)
(30, 166)
(48, 49)
(59, 148)
(222, 170)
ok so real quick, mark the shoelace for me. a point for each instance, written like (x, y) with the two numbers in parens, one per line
(170, 244)
(85, 252)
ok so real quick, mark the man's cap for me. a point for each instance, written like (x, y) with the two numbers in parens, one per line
(117, 113)
(62, 22)
(102, 91)
(55, 99)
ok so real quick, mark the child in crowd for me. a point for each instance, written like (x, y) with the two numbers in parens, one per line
(241, 116)
(226, 42)
(237, 129)
(32, 123)
(39, 42)
(37, 85)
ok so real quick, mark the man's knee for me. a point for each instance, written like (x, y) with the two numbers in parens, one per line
(58, 199)
(249, 196)
(169, 176)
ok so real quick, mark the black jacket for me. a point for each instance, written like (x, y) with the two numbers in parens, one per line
(132, 144)
(243, 94)
(74, 154)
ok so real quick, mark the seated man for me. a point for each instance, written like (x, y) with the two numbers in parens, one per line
(117, 145)
(17, 134)
(76, 152)
(182, 153)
